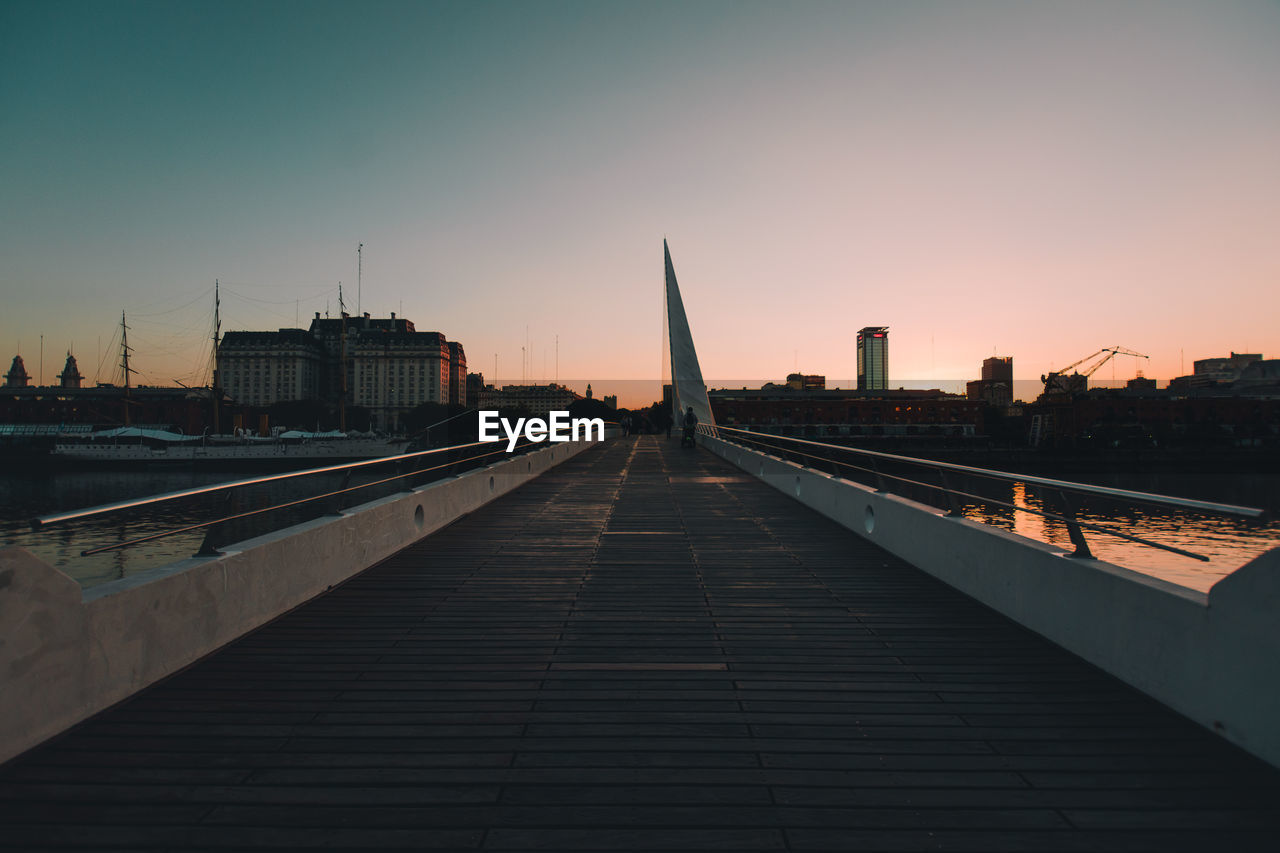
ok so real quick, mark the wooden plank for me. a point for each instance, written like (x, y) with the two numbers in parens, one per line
(675, 659)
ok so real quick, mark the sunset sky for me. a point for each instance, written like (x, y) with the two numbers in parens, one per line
(1031, 179)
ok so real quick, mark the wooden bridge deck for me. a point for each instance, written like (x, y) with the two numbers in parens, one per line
(643, 650)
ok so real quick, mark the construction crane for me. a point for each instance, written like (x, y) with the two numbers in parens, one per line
(1059, 382)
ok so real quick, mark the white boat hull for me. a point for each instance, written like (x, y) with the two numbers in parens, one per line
(319, 450)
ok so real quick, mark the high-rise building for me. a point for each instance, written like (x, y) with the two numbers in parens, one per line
(998, 369)
(995, 388)
(873, 358)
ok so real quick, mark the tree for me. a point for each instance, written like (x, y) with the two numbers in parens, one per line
(585, 408)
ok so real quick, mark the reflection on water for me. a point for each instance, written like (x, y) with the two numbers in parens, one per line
(1228, 542)
(26, 494)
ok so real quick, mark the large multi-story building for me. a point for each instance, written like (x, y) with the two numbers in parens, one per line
(382, 364)
(806, 382)
(329, 331)
(262, 368)
(1225, 369)
(839, 412)
(873, 358)
(1211, 372)
(539, 400)
(457, 374)
(394, 371)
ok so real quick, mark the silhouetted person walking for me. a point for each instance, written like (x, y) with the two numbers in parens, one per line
(690, 425)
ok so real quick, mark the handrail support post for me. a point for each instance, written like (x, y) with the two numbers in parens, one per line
(1074, 530)
(339, 500)
(213, 533)
(881, 486)
(207, 548)
(954, 509)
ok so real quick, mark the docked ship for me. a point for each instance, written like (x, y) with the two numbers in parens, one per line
(141, 444)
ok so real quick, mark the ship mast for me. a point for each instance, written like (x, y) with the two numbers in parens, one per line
(217, 334)
(124, 364)
(342, 363)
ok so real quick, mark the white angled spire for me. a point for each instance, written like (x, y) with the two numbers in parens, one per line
(687, 387)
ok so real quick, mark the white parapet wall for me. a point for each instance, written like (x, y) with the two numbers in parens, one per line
(67, 653)
(1214, 658)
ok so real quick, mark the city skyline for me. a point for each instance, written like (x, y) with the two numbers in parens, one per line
(983, 178)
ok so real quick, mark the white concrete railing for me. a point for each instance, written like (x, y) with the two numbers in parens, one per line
(1214, 658)
(67, 653)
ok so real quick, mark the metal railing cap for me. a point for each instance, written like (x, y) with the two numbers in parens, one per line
(1008, 476)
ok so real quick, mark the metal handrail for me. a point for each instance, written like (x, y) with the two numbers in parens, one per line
(213, 526)
(102, 509)
(151, 537)
(1068, 520)
(1102, 491)
(1075, 526)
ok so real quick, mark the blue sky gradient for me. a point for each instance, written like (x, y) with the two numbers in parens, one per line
(1039, 178)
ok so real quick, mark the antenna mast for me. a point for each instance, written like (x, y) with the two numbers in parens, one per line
(359, 276)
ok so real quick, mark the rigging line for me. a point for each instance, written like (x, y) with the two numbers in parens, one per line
(315, 284)
(248, 298)
(109, 352)
(172, 346)
(230, 325)
(202, 295)
(174, 337)
(166, 330)
(206, 357)
(153, 353)
(155, 341)
(190, 322)
(285, 319)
